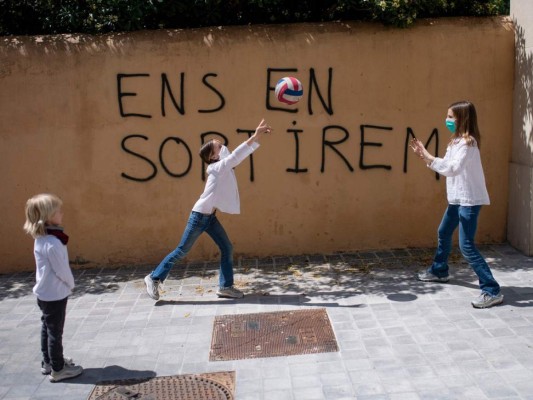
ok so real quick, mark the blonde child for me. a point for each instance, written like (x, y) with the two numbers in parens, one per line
(54, 281)
(466, 191)
(220, 193)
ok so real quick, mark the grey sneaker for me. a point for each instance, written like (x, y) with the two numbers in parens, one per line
(485, 300)
(426, 276)
(230, 292)
(47, 368)
(68, 371)
(152, 287)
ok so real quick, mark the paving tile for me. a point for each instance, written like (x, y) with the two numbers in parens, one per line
(305, 382)
(398, 386)
(338, 392)
(257, 395)
(368, 388)
(21, 391)
(277, 395)
(339, 378)
(524, 389)
(279, 383)
(308, 394)
(404, 396)
(357, 364)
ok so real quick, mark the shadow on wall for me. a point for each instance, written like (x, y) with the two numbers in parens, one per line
(524, 88)
(125, 42)
(73, 44)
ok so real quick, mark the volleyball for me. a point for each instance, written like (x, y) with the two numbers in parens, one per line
(289, 90)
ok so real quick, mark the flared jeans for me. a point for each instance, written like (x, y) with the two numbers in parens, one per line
(196, 225)
(466, 218)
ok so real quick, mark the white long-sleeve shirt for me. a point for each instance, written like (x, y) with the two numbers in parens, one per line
(221, 190)
(465, 181)
(54, 279)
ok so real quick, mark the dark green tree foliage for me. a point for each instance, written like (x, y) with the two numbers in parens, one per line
(31, 17)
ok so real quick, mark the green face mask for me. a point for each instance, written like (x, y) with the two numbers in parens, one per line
(450, 124)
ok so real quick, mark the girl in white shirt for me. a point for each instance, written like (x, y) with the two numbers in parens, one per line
(221, 192)
(54, 281)
(466, 191)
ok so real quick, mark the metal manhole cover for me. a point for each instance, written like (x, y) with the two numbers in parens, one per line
(212, 386)
(282, 333)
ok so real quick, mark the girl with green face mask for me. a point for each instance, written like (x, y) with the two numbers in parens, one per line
(450, 124)
(466, 191)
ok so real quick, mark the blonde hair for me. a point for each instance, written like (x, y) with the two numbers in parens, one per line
(39, 209)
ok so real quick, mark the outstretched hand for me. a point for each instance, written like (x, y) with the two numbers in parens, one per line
(261, 129)
(418, 147)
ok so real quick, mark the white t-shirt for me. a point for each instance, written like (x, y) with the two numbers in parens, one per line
(465, 181)
(54, 279)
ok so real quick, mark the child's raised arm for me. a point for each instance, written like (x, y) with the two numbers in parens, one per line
(261, 129)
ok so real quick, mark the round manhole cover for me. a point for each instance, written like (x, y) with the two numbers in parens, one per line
(167, 388)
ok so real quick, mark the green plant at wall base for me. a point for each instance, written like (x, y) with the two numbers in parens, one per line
(30, 17)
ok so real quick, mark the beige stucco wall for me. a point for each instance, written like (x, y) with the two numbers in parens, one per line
(61, 131)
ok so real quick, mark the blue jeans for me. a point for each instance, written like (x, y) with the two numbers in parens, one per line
(196, 225)
(466, 217)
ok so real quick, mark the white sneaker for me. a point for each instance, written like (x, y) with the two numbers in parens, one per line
(485, 300)
(426, 276)
(47, 368)
(68, 371)
(230, 292)
(152, 287)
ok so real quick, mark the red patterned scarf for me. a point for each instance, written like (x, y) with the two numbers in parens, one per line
(57, 231)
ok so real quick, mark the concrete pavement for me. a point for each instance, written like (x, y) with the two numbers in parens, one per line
(398, 338)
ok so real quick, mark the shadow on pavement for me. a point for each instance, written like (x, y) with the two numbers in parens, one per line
(332, 280)
(88, 281)
(93, 376)
(290, 299)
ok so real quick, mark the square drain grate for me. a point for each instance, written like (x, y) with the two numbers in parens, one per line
(211, 386)
(282, 333)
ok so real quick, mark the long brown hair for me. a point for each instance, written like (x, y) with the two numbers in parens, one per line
(206, 151)
(466, 123)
